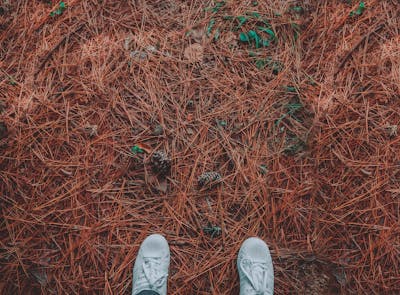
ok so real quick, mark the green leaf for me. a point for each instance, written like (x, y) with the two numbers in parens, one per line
(255, 14)
(62, 5)
(228, 17)
(263, 169)
(265, 42)
(137, 150)
(293, 107)
(222, 123)
(52, 13)
(11, 81)
(218, 6)
(291, 89)
(260, 64)
(254, 36)
(243, 37)
(268, 31)
(298, 9)
(210, 27)
(254, 3)
(360, 9)
(242, 19)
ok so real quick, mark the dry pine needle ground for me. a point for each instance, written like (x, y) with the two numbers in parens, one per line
(302, 130)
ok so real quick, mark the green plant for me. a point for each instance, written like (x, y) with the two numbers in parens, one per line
(216, 7)
(360, 9)
(212, 231)
(269, 31)
(241, 21)
(11, 81)
(59, 10)
(298, 9)
(291, 89)
(137, 150)
(252, 36)
(263, 169)
(275, 65)
(291, 109)
(222, 123)
(210, 27)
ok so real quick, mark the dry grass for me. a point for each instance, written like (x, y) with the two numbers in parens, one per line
(80, 89)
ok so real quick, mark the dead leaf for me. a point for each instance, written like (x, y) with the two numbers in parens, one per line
(194, 53)
(197, 34)
(162, 186)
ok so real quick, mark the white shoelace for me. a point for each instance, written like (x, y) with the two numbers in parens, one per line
(256, 273)
(152, 267)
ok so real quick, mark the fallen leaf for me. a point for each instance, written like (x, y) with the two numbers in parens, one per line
(162, 186)
(194, 53)
(197, 34)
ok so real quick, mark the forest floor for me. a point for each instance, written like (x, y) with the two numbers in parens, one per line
(294, 103)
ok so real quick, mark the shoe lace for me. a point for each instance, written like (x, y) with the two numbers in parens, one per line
(153, 271)
(257, 274)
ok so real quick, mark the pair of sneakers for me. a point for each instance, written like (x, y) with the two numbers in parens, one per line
(254, 263)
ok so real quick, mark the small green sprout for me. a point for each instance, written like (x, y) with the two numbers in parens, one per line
(291, 89)
(270, 32)
(218, 6)
(263, 169)
(137, 150)
(243, 37)
(210, 26)
(291, 108)
(12, 82)
(61, 7)
(222, 123)
(360, 9)
(242, 20)
(298, 9)
(212, 231)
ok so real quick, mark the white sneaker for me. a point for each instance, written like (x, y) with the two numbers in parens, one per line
(255, 268)
(151, 266)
